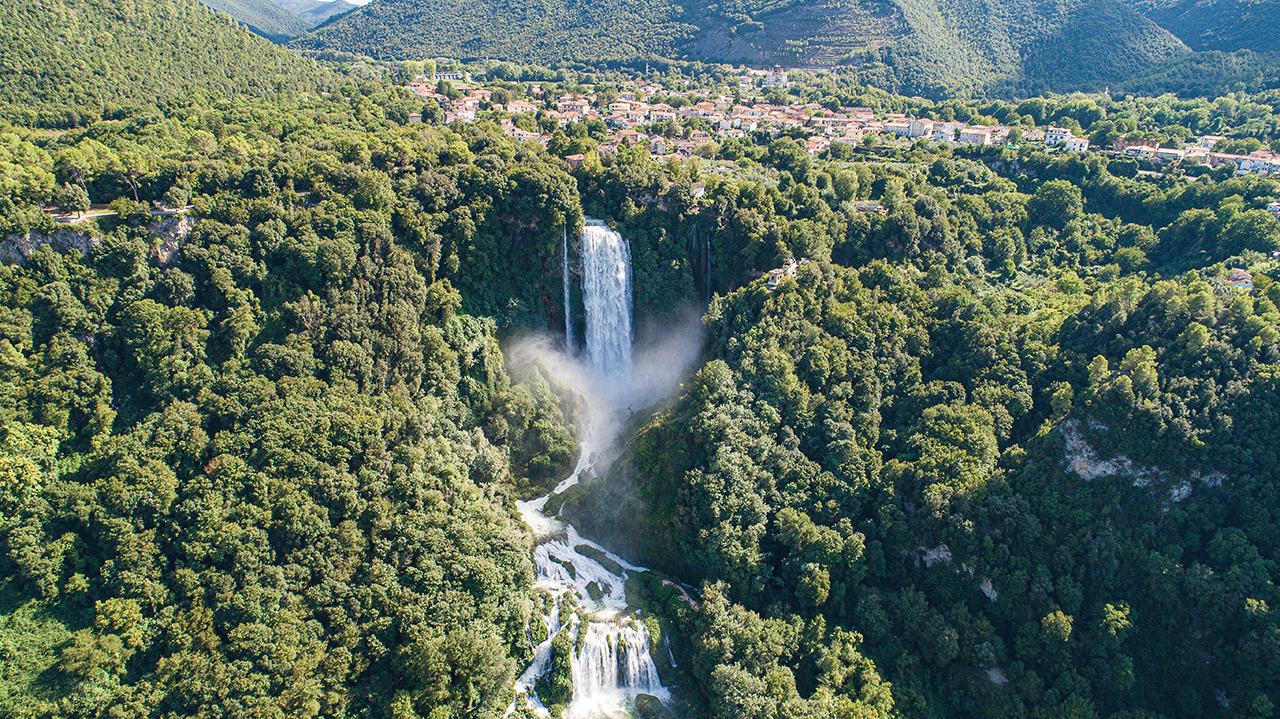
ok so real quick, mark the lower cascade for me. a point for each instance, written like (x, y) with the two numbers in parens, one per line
(583, 583)
(614, 659)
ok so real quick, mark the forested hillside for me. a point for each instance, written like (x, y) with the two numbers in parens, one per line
(1015, 503)
(262, 463)
(1002, 447)
(281, 20)
(551, 33)
(928, 46)
(80, 59)
(318, 11)
(1209, 74)
(1218, 24)
(264, 17)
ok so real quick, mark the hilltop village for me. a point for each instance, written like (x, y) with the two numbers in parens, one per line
(686, 121)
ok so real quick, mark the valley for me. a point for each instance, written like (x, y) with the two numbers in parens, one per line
(640, 360)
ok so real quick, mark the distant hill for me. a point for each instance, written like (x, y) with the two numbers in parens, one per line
(281, 20)
(546, 32)
(315, 12)
(66, 60)
(929, 46)
(1218, 24)
(264, 17)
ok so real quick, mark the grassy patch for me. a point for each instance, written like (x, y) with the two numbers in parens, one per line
(30, 636)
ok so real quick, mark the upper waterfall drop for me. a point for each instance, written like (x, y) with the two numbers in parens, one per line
(606, 296)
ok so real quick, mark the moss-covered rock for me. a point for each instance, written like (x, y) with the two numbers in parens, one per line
(650, 707)
(556, 686)
(599, 557)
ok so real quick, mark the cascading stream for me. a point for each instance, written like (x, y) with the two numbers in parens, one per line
(611, 662)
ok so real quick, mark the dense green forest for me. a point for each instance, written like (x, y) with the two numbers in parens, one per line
(69, 61)
(266, 462)
(927, 476)
(1002, 451)
(261, 470)
(1209, 74)
(926, 416)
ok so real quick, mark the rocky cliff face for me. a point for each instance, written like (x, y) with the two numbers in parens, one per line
(15, 248)
(169, 233)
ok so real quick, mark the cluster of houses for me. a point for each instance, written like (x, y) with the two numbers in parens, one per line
(1261, 162)
(464, 108)
(961, 133)
(722, 117)
(726, 118)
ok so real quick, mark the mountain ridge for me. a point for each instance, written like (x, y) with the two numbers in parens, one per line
(930, 46)
(1226, 25)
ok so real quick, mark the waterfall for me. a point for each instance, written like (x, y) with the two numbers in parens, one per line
(570, 342)
(614, 660)
(606, 294)
(611, 663)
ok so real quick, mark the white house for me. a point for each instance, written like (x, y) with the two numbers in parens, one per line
(1209, 141)
(1076, 144)
(522, 135)
(1261, 162)
(901, 128)
(947, 131)
(817, 144)
(661, 111)
(1056, 136)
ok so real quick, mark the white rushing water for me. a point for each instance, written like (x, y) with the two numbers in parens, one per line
(611, 662)
(606, 295)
